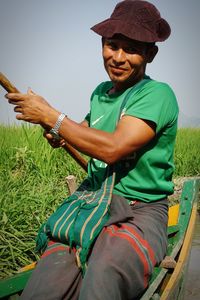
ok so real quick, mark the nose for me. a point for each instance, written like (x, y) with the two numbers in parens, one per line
(119, 56)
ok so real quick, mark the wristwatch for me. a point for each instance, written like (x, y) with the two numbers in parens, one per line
(54, 131)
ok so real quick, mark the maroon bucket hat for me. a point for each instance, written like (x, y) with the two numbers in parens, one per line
(136, 19)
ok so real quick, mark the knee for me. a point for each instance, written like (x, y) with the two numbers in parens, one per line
(113, 278)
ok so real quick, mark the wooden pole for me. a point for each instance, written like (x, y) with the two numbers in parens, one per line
(10, 88)
(71, 183)
(7, 85)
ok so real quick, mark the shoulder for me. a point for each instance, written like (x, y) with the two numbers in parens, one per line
(152, 85)
(166, 94)
(157, 91)
(154, 101)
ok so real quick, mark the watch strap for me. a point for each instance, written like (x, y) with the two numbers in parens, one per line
(56, 127)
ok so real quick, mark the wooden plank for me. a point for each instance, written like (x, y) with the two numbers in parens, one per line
(175, 284)
(170, 289)
(159, 274)
(14, 284)
(188, 198)
(173, 215)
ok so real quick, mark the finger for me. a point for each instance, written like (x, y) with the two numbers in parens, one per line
(18, 109)
(8, 96)
(14, 102)
(62, 144)
(49, 136)
(30, 91)
(20, 117)
(15, 96)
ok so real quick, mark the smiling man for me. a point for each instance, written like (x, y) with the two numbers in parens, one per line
(119, 232)
(125, 60)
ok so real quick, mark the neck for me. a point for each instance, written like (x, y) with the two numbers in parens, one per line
(120, 87)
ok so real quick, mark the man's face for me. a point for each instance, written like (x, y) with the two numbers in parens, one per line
(125, 61)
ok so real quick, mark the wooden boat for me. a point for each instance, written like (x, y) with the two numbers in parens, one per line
(167, 282)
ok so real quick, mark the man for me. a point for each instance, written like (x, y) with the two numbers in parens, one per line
(138, 145)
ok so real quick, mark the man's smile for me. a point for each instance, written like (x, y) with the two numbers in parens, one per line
(117, 70)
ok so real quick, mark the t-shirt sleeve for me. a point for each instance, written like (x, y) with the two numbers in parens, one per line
(154, 102)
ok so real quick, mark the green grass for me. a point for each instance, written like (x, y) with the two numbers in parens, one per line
(187, 152)
(32, 185)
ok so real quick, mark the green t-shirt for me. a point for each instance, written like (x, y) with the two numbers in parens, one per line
(146, 174)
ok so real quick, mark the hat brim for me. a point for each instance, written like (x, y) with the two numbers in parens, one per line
(109, 27)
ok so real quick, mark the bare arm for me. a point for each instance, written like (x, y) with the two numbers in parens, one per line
(130, 135)
(60, 143)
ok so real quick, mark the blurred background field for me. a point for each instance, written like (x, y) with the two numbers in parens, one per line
(187, 152)
(33, 184)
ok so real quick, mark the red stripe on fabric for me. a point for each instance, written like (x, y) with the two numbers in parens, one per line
(143, 259)
(142, 241)
(53, 250)
(50, 243)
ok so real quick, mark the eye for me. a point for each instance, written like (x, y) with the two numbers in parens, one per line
(131, 49)
(111, 44)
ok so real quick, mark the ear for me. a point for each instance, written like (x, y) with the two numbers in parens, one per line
(151, 53)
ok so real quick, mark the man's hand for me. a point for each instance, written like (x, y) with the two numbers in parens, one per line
(30, 107)
(55, 143)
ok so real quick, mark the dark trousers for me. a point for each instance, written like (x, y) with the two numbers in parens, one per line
(121, 262)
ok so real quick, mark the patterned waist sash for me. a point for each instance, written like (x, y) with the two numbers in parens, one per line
(79, 220)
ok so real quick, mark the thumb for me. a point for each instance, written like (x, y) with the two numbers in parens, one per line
(30, 91)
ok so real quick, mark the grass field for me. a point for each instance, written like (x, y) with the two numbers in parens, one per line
(187, 152)
(32, 184)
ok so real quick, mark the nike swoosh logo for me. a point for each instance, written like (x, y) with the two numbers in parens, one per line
(97, 120)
